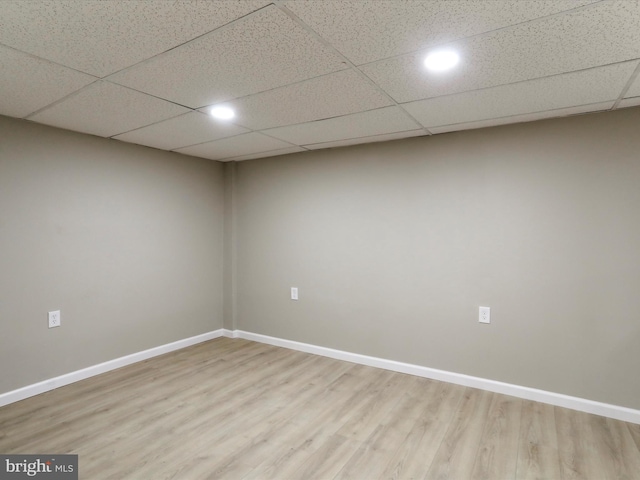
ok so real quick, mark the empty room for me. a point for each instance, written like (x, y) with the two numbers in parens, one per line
(328, 239)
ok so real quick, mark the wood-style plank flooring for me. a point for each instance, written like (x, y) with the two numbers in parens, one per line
(234, 409)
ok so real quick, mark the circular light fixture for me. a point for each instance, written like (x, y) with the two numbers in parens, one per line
(222, 113)
(441, 60)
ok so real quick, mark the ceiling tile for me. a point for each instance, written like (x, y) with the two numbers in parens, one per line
(634, 89)
(271, 153)
(245, 144)
(28, 83)
(332, 95)
(106, 109)
(560, 91)
(373, 122)
(521, 60)
(596, 35)
(369, 30)
(629, 102)
(264, 50)
(103, 36)
(375, 138)
(187, 129)
(528, 117)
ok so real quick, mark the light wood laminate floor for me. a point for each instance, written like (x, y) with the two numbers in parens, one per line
(234, 409)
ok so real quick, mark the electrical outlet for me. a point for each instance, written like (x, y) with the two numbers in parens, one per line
(484, 315)
(294, 293)
(54, 319)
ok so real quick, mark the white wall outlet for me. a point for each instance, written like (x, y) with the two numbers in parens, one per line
(485, 315)
(54, 319)
(294, 293)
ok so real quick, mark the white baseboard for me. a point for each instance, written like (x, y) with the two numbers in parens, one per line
(557, 399)
(230, 333)
(52, 383)
(575, 403)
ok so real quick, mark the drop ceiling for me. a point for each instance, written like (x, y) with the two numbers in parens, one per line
(309, 74)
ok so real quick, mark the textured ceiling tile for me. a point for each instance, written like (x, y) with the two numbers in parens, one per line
(188, 129)
(369, 30)
(29, 84)
(280, 77)
(634, 90)
(328, 96)
(629, 102)
(262, 51)
(103, 36)
(272, 153)
(372, 139)
(528, 117)
(239, 145)
(561, 91)
(597, 35)
(105, 109)
(374, 122)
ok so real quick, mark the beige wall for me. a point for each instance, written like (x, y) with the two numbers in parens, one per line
(394, 246)
(127, 241)
(230, 257)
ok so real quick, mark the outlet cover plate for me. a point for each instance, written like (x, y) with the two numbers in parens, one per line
(484, 315)
(54, 319)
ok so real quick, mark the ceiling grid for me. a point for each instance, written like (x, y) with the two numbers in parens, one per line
(305, 74)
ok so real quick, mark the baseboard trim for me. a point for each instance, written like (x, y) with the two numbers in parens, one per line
(230, 333)
(66, 379)
(575, 403)
(589, 406)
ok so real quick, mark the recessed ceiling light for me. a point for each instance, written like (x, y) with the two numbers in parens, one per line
(222, 113)
(441, 60)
